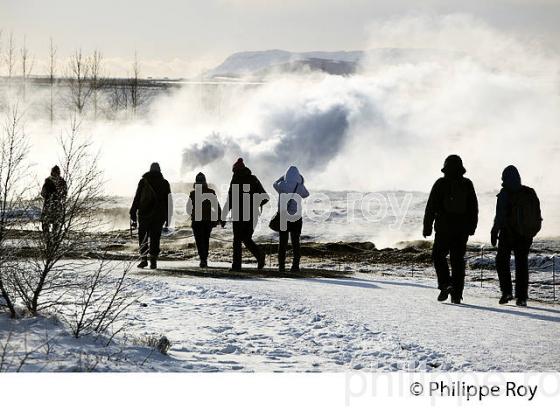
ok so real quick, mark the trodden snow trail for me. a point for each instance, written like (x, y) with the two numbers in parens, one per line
(339, 324)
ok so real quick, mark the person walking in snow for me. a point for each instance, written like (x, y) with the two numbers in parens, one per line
(151, 209)
(453, 206)
(518, 219)
(291, 190)
(246, 197)
(206, 213)
(53, 192)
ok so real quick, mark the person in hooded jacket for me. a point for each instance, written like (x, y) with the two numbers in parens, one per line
(246, 197)
(291, 190)
(506, 233)
(151, 209)
(54, 192)
(205, 213)
(453, 206)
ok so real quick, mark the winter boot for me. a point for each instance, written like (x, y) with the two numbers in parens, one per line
(143, 263)
(295, 268)
(153, 263)
(456, 300)
(521, 302)
(444, 294)
(505, 299)
(203, 263)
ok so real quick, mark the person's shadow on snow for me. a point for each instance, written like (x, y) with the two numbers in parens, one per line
(516, 311)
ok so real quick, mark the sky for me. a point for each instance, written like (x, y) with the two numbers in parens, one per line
(183, 37)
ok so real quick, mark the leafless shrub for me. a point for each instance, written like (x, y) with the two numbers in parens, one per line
(14, 360)
(13, 153)
(103, 294)
(42, 282)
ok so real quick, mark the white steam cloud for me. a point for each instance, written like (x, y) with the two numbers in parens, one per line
(467, 89)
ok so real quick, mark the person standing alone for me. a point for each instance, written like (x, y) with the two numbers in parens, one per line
(151, 208)
(518, 219)
(453, 206)
(54, 194)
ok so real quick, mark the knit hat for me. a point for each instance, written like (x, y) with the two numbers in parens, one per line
(238, 165)
(200, 178)
(55, 170)
(155, 167)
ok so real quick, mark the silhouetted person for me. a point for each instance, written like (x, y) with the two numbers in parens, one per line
(54, 194)
(151, 207)
(246, 197)
(518, 219)
(454, 208)
(291, 190)
(205, 214)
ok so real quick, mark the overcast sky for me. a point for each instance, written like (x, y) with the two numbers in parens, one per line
(176, 36)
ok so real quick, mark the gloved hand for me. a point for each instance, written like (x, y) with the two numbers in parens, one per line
(494, 237)
(427, 231)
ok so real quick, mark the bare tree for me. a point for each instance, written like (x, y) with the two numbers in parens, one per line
(26, 65)
(11, 56)
(52, 74)
(13, 154)
(80, 89)
(134, 85)
(96, 82)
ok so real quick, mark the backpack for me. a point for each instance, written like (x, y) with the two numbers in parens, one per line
(455, 198)
(526, 219)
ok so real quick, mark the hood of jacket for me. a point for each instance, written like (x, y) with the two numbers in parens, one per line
(153, 175)
(293, 176)
(511, 180)
(453, 167)
(242, 172)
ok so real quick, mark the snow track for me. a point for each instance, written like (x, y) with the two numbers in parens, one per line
(360, 322)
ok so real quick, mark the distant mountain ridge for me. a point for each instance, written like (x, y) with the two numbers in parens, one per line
(261, 63)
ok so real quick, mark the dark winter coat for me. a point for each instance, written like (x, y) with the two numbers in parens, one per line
(243, 177)
(446, 222)
(152, 199)
(210, 210)
(54, 193)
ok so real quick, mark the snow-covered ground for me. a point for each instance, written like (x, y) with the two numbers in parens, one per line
(363, 321)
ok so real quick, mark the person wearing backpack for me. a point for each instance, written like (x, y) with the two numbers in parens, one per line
(453, 206)
(246, 197)
(291, 185)
(206, 213)
(151, 210)
(517, 221)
